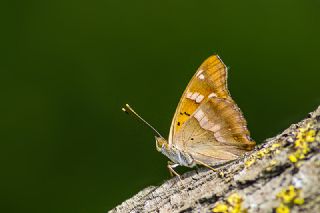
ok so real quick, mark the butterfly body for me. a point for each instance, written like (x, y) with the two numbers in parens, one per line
(174, 154)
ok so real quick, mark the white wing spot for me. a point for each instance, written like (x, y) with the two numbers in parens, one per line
(203, 121)
(199, 115)
(194, 96)
(199, 73)
(212, 95)
(199, 98)
(219, 137)
(215, 128)
(201, 77)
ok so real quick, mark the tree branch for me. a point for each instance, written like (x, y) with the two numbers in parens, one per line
(281, 175)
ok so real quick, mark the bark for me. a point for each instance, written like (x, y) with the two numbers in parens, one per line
(281, 175)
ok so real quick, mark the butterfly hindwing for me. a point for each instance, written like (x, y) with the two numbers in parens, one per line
(215, 133)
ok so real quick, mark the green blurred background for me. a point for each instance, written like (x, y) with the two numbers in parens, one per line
(67, 67)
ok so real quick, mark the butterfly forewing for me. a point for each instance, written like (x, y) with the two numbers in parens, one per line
(209, 81)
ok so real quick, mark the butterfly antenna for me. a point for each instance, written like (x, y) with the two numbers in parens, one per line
(127, 109)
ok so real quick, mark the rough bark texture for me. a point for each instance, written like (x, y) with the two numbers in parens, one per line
(282, 175)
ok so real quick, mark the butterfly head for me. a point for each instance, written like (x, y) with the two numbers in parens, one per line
(161, 143)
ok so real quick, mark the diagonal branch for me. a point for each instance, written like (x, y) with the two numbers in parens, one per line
(281, 175)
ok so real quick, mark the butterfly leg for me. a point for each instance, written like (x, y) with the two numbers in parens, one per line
(172, 165)
(206, 165)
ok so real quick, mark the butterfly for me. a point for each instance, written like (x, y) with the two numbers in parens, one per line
(208, 128)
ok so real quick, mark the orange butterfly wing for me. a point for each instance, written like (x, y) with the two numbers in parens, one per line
(210, 80)
(207, 123)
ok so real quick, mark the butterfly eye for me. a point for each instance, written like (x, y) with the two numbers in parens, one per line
(160, 143)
